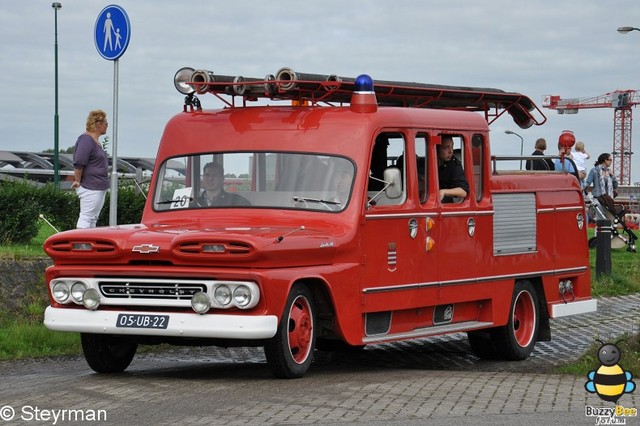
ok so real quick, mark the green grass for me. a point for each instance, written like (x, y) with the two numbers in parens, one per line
(19, 339)
(629, 346)
(33, 249)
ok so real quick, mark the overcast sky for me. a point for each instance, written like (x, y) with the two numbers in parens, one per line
(566, 48)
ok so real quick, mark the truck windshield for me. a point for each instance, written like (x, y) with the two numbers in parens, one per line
(280, 180)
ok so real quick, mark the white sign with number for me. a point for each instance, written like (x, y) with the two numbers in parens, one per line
(181, 198)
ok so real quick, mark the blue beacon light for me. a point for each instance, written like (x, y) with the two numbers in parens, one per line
(363, 83)
(363, 98)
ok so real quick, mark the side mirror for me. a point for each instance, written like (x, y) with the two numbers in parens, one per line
(393, 179)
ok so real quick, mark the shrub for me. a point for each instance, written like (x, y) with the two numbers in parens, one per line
(130, 205)
(59, 207)
(23, 202)
(19, 212)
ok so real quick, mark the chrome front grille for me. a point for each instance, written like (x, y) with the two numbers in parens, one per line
(164, 290)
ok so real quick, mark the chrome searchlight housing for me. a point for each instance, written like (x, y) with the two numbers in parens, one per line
(181, 81)
(200, 303)
(91, 299)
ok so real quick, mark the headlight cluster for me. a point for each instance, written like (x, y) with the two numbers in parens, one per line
(225, 295)
(74, 291)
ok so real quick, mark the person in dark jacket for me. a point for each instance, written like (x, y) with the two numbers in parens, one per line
(214, 194)
(451, 178)
(543, 163)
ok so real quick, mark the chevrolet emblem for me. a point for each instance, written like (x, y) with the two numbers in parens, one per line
(146, 248)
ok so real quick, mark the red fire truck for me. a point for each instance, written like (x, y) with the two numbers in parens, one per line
(306, 215)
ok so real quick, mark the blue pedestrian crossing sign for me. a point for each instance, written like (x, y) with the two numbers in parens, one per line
(112, 32)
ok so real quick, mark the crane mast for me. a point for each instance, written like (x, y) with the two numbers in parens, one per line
(622, 102)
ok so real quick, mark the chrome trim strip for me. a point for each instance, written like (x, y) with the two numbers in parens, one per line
(467, 213)
(570, 209)
(428, 331)
(432, 214)
(560, 209)
(477, 280)
(399, 215)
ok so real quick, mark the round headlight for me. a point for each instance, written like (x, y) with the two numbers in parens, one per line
(241, 296)
(91, 299)
(61, 291)
(200, 302)
(77, 291)
(222, 294)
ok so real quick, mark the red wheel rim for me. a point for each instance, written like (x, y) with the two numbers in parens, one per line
(524, 318)
(300, 329)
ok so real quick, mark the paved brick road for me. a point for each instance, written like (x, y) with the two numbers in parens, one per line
(430, 381)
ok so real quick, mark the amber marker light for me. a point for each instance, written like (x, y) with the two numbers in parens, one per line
(430, 243)
(429, 223)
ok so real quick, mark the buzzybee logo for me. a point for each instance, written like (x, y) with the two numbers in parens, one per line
(609, 381)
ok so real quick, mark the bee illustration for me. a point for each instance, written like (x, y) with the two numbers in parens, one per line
(609, 381)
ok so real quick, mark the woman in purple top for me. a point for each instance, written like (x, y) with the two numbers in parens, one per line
(91, 170)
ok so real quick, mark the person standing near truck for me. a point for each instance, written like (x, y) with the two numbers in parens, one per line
(91, 169)
(543, 163)
(601, 177)
(564, 164)
(580, 157)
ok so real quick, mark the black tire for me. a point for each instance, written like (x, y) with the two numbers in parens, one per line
(516, 340)
(290, 352)
(482, 344)
(107, 354)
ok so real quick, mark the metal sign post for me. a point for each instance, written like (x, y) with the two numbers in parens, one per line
(112, 33)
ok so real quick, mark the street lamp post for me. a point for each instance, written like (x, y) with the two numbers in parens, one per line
(509, 132)
(56, 130)
(624, 30)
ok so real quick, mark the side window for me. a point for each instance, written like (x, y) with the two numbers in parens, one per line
(421, 165)
(477, 151)
(452, 181)
(387, 162)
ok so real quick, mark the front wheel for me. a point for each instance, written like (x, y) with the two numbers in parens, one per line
(107, 354)
(290, 352)
(515, 341)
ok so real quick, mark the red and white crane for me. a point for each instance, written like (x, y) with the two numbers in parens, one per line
(622, 102)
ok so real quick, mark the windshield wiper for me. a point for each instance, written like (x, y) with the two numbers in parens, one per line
(173, 201)
(306, 200)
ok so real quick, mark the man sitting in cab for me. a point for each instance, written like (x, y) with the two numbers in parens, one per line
(451, 178)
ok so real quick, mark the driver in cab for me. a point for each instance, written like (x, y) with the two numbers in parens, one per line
(451, 179)
(214, 194)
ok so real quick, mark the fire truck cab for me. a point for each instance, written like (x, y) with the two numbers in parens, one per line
(320, 223)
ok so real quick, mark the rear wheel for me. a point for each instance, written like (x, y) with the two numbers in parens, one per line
(515, 341)
(290, 352)
(107, 354)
